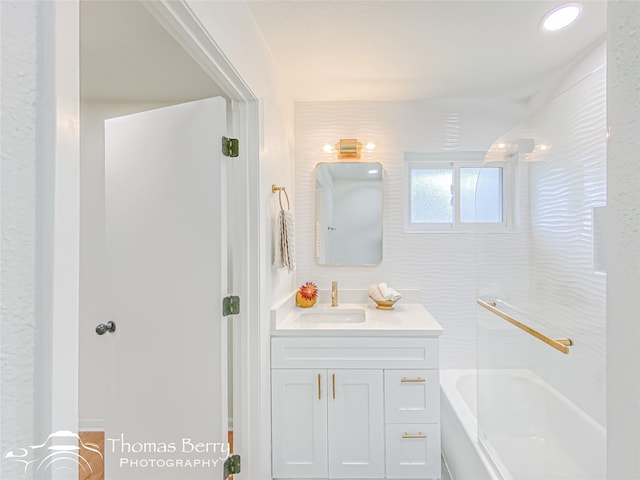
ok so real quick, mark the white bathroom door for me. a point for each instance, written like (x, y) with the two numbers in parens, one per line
(167, 401)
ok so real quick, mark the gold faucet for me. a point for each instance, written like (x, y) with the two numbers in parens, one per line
(334, 294)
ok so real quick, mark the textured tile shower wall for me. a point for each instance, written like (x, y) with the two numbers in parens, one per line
(548, 269)
(568, 294)
(441, 265)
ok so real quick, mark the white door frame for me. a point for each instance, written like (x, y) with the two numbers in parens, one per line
(178, 19)
(181, 23)
(60, 235)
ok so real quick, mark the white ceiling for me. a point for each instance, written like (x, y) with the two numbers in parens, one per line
(421, 49)
(126, 56)
(346, 50)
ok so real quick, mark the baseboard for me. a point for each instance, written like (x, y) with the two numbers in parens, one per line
(97, 424)
(446, 468)
(91, 424)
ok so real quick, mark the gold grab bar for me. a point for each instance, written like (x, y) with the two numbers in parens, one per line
(560, 344)
(414, 435)
(411, 380)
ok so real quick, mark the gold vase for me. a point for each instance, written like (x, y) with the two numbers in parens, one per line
(304, 302)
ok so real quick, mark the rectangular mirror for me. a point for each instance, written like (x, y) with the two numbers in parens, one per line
(349, 213)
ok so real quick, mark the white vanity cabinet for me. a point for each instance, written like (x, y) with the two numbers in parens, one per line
(327, 423)
(355, 407)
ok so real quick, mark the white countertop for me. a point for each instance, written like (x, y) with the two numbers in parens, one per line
(406, 319)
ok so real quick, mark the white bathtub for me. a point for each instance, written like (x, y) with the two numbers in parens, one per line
(537, 432)
(462, 453)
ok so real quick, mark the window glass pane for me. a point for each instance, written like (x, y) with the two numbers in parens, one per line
(481, 195)
(431, 195)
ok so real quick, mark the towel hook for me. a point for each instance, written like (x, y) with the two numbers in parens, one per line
(274, 189)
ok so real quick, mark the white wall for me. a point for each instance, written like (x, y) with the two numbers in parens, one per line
(18, 223)
(441, 265)
(234, 30)
(39, 224)
(623, 251)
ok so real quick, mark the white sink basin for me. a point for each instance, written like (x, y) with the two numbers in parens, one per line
(353, 315)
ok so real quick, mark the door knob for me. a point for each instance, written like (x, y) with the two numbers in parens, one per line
(106, 327)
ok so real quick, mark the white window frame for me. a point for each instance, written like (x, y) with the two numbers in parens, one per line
(456, 161)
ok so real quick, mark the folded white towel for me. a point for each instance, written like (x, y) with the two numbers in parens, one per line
(374, 293)
(389, 293)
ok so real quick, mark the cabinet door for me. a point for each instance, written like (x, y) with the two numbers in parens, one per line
(299, 423)
(356, 424)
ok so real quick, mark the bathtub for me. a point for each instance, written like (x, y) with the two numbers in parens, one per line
(540, 434)
(462, 453)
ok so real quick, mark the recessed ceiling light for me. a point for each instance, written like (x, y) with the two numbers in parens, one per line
(561, 17)
(327, 148)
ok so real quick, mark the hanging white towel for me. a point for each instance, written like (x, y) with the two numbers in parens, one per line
(285, 241)
(278, 260)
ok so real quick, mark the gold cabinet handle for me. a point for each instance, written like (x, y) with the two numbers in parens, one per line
(414, 435)
(319, 390)
(333, 382)
(412, 380)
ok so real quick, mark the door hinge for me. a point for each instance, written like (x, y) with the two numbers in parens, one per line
(230, 305)
(231, 466)
(230, 147)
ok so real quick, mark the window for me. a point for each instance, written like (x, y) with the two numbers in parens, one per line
(453, 192)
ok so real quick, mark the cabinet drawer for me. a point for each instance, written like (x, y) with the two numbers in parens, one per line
(413, 451)
(379, 352)
(412, 396)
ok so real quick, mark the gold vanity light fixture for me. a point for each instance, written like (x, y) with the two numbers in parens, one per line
(350, 148)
